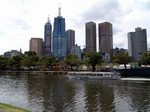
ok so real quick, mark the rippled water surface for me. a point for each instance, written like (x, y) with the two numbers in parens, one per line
(40, 93)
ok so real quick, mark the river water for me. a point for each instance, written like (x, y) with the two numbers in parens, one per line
(40, 93)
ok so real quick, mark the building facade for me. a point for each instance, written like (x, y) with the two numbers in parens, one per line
(70, 36)
(76, 50)
(137, 43)
(47, 38)
(36, 45)
(105, 38)
(90, 33)
(59, 37)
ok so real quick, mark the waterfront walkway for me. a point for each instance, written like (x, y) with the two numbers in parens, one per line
(34, 72)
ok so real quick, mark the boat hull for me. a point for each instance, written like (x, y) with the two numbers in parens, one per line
(136, 72)
(93, 75)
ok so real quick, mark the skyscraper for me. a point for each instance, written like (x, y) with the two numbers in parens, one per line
(47, 38)
(59, 37)
(76, 51)
(90, 32)
(137, 43)
(36, 44)
(70, 35)
(105, 38)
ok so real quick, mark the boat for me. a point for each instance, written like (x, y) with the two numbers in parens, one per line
(93, 75)
(134, 72)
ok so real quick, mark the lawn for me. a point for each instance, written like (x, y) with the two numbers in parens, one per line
(10, 108)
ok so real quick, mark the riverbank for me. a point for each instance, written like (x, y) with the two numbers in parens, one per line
(34, 72)
(10, 108)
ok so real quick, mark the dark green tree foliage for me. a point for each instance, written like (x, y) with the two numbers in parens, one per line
(122, 58)
(47, 61)
(51, 61)
(3, 63)
(145, 59)
(93, 58)
(30, 59)
(15, 62)
(72, 61)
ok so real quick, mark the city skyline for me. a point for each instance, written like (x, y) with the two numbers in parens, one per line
(20, 20)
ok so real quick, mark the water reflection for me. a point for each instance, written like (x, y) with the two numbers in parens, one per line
(52, 94)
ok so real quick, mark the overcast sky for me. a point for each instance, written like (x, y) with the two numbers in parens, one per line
(22, 19)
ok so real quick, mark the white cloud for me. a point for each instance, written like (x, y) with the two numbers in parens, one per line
(22, 19)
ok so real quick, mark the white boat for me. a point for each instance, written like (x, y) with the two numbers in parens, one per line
(93, 75)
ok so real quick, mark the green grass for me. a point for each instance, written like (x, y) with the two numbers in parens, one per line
(10, 108)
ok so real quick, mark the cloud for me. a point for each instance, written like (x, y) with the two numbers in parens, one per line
(2, 33)
(21, 24)
(109, 10)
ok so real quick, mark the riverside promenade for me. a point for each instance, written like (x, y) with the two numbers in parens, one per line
(34, 72)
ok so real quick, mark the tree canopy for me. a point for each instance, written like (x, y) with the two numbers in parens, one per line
(93, 58)
(122, 58)
(72, 61)
(145, 59)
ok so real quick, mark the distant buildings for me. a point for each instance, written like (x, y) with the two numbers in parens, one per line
(137, 43)
(70, 36)
(105, 37)
(12, 53)
(90, 33)
(36, 45)
(117, 50)
(47, 38)
(59, 37)
(76, 51)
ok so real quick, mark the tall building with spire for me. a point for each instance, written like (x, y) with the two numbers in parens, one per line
(47, 38)
(59, 37)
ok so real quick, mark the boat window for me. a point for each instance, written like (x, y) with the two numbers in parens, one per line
(101, 74)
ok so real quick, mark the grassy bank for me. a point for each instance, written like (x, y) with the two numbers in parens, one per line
(10, 108)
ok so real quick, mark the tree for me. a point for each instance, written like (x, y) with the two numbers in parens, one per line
(3, 63)
(47, 61)
(15, 62)
(93, 58)
(122, 58)
(72, 61)
(30, 59)
(145, 59)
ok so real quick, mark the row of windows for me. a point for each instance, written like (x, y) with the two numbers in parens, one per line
(89, 74)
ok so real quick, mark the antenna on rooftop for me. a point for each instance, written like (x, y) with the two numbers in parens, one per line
(48, 20)
(59, 9)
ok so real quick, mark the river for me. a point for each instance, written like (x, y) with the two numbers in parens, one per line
(40, 93)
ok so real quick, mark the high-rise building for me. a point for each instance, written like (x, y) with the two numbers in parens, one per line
(36, 44)
(59, 37)
(137, 43)
(105, 38)
(70, 35)
(90, 32)
(76, 51)
(47, 38)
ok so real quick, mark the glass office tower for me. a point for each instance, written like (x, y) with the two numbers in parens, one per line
(59, 37)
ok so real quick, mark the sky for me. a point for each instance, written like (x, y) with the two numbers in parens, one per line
(22, 19)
